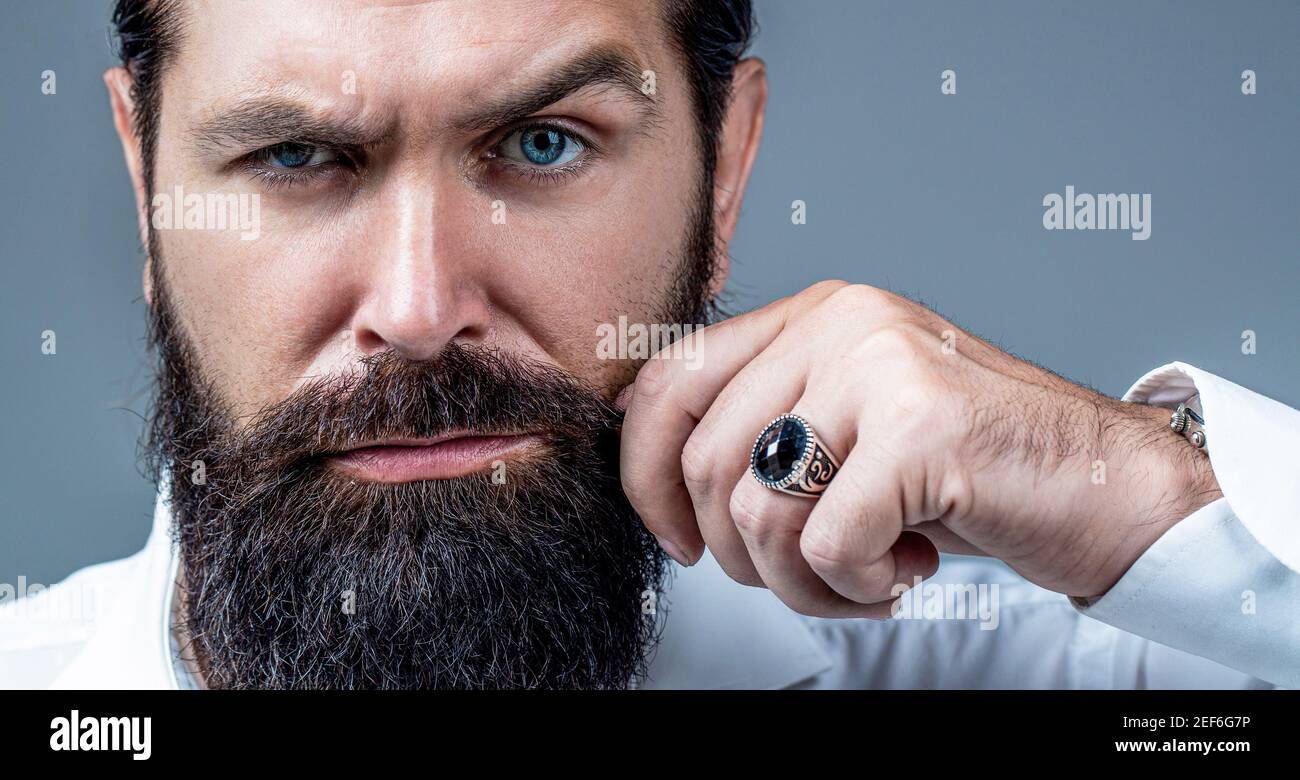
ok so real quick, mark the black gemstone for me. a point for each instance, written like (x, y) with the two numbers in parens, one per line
(779, 449)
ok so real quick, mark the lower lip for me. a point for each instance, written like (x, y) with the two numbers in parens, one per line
(447, 459)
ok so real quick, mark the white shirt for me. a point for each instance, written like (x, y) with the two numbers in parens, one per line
(1212, 604)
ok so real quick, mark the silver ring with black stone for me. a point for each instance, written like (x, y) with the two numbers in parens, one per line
(788, 457)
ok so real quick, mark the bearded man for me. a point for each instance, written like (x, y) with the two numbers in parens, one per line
(390, 455)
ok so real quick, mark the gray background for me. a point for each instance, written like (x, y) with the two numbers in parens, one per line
(938, 197)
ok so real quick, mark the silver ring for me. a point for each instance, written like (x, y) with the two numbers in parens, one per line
(788, 457)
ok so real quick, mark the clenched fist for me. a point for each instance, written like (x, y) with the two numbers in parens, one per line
(946, 444)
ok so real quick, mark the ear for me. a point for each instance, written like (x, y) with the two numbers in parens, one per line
(742, 130)
(118, 80)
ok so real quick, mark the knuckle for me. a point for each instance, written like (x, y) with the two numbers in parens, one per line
(954, 495)
(698, 463)
(746, 512)
(909, 357)
(812, 301)
(824, 552)
(896, 340)
(858, 298)
(653, 380)
(904, 423)
(839, 564)
(825, 288)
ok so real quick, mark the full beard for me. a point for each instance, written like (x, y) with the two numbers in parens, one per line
(298, 576)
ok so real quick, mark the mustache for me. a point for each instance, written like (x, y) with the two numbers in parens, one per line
(465, 390)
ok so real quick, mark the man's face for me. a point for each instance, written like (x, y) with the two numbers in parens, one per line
(419, 196)
(451, 198)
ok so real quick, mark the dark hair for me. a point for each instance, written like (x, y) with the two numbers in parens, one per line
(709, 35)
(147, 32)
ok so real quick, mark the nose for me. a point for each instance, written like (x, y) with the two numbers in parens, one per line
(420, 290)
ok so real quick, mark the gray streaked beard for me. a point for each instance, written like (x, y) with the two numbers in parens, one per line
(297, 576)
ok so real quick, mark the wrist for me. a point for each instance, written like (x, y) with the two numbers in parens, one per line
(1159, 478)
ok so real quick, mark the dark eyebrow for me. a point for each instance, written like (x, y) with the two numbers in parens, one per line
(598, 66)
(265, 120)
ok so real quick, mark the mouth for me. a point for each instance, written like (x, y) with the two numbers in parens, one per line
(443, 457)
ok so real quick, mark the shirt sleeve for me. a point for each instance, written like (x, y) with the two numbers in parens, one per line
(1224, 583)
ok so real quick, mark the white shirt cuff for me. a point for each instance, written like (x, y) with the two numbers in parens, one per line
(1254, 445)
(1223, 582)
(1209, 588)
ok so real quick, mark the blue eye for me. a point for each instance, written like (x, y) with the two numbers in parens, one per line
(295, 155)
(545, 147)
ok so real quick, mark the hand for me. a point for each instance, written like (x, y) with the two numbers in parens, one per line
(946, 442)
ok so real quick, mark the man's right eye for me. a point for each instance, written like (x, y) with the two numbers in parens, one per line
(293, 163)
(292, 156)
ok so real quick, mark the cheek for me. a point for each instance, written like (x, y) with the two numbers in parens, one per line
(258, 312)
(562, 273)
(257, 305)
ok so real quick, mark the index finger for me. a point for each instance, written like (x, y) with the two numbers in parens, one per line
(670, 395)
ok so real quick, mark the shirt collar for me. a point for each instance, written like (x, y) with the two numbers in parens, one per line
(717, 633)
(131, 645)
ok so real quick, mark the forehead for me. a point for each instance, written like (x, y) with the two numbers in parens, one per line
(441, 50)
